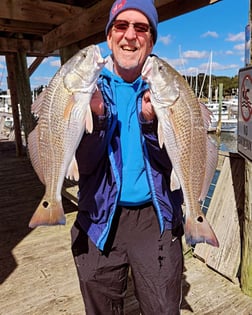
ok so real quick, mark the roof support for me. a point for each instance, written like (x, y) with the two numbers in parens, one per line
(19, 85)
(11, 61)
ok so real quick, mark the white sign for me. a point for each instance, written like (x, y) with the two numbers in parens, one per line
(244, 139)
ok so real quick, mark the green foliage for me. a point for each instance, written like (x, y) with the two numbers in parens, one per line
(230, 85)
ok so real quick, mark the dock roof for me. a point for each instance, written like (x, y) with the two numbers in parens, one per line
(41, 28)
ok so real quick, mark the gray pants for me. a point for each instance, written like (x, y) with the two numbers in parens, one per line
(156, 263)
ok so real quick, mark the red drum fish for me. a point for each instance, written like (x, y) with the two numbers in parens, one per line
(64, 115)
(182, 129)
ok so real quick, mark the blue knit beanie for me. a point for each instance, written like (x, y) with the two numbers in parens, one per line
(147, 7)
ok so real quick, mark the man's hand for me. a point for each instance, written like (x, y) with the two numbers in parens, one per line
(147, 108)
(97, 103)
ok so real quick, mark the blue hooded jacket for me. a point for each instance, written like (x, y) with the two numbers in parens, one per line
(99, 158)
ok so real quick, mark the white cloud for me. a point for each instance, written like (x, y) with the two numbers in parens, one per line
(217, 66)
(40, 80)
(165, 39)
(55, 63)
(195, 54)
(175, 63)
(236, 37)
(229, 52)
(210, 34)
(30, 60)
(240, 47)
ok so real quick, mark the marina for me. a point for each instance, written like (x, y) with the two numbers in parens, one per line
(224, 115)
(37, 273)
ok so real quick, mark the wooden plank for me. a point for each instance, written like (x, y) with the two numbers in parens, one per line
(12, 45)
(11, 61)
(224, 215)
(70, 191)
(170, 9)
(24, 93)
(39, 11)
(14, 26)
(246, 266)
(38, 275)
(92, 22)
(88, 23)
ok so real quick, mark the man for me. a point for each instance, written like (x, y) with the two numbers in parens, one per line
(128, 217)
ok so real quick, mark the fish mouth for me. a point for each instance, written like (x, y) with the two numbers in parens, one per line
(98, 57)
(146, 70)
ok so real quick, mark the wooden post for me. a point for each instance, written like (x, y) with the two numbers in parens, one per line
(11, 61)
(246, 259)
(67, 52)
(24, 93)
(246, 263)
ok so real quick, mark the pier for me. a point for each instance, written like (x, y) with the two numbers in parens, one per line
(37, 273)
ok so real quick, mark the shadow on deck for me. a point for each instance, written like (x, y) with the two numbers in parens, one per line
(37, 273)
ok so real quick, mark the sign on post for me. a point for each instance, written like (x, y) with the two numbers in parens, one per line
(244, 137)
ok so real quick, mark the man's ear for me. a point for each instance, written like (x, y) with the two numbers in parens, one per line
(109, 40)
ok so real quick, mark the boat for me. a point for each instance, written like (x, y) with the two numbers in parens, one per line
(229, 125)
(224, 116)
(232, 104)
(226, 119)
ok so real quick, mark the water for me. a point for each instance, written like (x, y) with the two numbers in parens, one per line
(226, 142)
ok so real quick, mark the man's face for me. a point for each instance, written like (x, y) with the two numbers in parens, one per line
(130, 45)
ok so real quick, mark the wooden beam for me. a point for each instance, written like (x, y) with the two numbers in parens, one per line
(24, 27)
(34, 65)
(246, 263)
(38, 11)
(31, 47)
(93, 21)
(11, 61)
(10, 45)
(167, 10)
(24, 93)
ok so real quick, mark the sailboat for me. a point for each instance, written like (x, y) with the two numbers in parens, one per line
(222, 114)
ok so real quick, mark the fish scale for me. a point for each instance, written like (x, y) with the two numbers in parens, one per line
(64, 115)
(182, 129)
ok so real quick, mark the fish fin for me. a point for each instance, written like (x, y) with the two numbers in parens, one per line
(160, 136)
(174, 181)
(37, 104)
(48, 213)
(211, 164)
(33, 149)
(69, 107)
(73, 171)
(206, 115)
(198, 230)
(172, 119)
(79, 100)
(89, 120)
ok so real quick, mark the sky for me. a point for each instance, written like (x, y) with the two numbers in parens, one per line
(186, 42)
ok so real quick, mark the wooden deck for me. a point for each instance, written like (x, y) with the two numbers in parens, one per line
(37, 274)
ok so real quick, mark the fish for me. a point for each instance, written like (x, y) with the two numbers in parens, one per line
(182, 129)
(64, 115)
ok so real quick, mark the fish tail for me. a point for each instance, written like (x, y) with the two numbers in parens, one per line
(48, 214)
(198, 230)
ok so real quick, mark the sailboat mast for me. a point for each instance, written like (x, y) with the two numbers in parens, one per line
(210, 78)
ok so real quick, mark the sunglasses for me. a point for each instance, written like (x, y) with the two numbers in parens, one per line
(139, 27)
